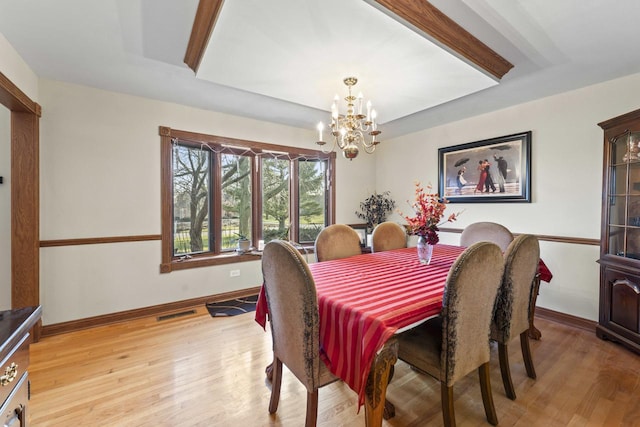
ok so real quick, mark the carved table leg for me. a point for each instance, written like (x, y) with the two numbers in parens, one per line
(389, 408)
(377, 381)
(534, 333)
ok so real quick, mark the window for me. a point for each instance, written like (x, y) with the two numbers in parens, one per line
(276, 198)
(190, 200)
(216, 190)
(313, 198)
(235, 198)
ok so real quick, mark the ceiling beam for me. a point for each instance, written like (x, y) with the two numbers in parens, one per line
(436, 25)
(203, 23)
(421, 15)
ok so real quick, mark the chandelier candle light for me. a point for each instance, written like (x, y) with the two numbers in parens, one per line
(348, 129)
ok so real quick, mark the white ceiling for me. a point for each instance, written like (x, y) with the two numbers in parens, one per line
(283, 60)
(300, 51)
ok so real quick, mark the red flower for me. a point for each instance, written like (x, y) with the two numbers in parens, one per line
(429, 210)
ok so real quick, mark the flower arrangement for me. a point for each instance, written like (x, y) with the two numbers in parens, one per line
(375, 209)
(429, 210)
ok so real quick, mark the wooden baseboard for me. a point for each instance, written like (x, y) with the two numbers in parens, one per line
(123, 316)
(164, 309)
(566, 319)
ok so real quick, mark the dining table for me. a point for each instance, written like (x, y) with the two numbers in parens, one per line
(363, 301)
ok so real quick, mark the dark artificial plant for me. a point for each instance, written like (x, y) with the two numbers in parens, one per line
(375, 209)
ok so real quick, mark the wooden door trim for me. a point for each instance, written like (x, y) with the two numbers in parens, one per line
(25, 197)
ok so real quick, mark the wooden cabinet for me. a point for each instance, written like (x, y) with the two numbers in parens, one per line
(14, 362)
(619, 317)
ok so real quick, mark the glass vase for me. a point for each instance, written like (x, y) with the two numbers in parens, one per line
(425, 250)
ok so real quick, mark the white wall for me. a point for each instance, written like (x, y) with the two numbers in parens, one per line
(16, 70)
(5, 209)
(566, 172)
(100, 177)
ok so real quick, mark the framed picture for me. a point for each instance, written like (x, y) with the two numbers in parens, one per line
(361, 229)
(492, 170)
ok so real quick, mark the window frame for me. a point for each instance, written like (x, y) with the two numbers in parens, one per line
(167, 135)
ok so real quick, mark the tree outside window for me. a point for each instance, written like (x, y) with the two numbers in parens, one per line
(236, 199)
(190, 199)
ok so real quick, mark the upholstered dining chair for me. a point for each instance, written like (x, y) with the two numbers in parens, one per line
(388, 235)
(487, 232)
(293, 315)
(456, 342)
(513, 306)
(337, 241)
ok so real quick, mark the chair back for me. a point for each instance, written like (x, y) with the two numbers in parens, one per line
(467, 310)
(486, 232)
(293, 311)
(387, 236)
(513, 301)
(337, 241)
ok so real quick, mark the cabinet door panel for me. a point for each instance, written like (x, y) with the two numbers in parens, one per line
(634, 179)
(625, 304)
(617, 210)
(633, 243)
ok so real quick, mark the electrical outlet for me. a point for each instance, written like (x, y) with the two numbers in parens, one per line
(234, 273)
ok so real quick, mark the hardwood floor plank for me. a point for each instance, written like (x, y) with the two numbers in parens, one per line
(202, 371)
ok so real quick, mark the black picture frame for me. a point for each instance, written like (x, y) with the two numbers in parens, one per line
(510, 155)
(361, 229)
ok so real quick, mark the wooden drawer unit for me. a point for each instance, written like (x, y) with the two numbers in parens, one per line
(14, 410)
(14, 366)
(14, 363)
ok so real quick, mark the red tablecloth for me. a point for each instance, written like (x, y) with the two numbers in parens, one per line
(364, 299)
(544, 272)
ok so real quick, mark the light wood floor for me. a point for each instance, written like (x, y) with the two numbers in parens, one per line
(200, 371)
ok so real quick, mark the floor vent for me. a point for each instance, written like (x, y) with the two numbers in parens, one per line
(174, 315)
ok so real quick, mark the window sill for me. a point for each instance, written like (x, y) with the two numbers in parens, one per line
(206, 261)
(226, 258)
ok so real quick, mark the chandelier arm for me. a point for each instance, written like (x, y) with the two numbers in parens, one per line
(359, 137)
(340, 141)
(333, 147)
(369, 149)
(369, 144)
(363, 125)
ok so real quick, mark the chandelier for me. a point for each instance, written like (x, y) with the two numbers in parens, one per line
(348, 130)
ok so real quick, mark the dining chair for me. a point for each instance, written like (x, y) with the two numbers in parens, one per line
(513, 308)
(387, 236)
(451, 345)
(337, 241)
(293, 315)
(488, 232)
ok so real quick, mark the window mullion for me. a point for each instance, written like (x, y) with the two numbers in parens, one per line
(215, 222)
(294, 205)
(256, 211)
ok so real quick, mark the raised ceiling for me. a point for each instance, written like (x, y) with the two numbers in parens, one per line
(138, 47)
(300, 51)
